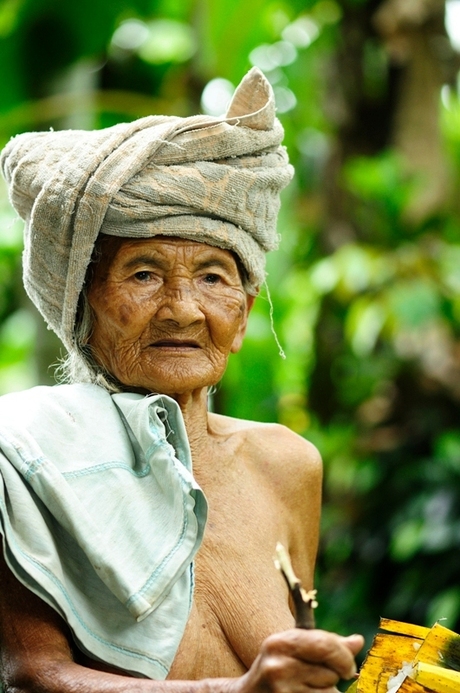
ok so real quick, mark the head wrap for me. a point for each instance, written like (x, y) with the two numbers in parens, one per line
(211, 180)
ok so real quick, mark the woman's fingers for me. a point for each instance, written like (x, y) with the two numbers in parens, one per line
(301, 661)
(279, 669)
(354, 642)
(329, 650)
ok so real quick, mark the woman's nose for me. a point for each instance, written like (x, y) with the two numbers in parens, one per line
(179, 305)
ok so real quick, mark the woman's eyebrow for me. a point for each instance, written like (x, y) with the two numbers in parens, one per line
(160, 263)
(213, 262)
(144, 260)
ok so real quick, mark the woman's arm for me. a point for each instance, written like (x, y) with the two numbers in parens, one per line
(37, 653)
(36, 656)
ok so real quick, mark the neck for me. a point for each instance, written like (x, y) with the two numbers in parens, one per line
(194, 408)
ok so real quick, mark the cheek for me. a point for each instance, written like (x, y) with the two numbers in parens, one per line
(228, 321)
(113, 310)
(125, 314)
(111, 321)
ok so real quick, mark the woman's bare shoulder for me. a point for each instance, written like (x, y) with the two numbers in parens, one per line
(270, 442)
(290, 468)
(226, 425)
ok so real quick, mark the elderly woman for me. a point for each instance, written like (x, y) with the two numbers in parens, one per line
(123, 570)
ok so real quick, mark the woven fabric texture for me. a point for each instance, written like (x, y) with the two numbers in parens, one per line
(211, 180)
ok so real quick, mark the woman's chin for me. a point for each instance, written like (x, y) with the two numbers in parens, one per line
(171, 387)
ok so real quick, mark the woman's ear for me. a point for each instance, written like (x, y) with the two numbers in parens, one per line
(238, 340)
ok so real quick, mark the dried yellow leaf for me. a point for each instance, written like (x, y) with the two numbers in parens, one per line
(440, 647)
(405, 658)
(408, 629)
(436, 678)
(389, 653)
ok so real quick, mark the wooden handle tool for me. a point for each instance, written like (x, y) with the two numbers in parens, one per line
(304, 602)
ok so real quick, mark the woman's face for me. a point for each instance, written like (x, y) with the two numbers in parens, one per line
(168, 312)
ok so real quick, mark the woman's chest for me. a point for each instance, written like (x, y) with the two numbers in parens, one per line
(233, 612)
(240, 598)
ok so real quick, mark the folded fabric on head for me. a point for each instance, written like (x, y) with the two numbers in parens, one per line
(212, 180)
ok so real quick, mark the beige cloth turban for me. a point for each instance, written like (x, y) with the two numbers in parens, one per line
(212, 180)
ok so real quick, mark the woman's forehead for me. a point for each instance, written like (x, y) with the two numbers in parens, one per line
(118, 252)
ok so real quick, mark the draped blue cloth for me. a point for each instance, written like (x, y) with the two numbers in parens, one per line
(101, 517)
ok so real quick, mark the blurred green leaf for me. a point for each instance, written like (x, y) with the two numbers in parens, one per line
(445, 607)
(406, 540)
(364, 324)
(413, 303)
(168, 41)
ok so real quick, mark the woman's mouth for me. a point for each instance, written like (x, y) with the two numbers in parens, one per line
(175, 344)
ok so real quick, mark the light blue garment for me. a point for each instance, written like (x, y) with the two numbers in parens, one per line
(101, 517)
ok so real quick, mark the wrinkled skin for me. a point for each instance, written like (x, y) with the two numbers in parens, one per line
(168, 313)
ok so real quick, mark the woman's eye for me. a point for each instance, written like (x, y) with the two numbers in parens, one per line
(143, 276)
(212, 279)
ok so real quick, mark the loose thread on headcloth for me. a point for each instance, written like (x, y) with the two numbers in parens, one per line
(272, 323)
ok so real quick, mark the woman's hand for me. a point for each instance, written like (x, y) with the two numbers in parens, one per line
(302, 661)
